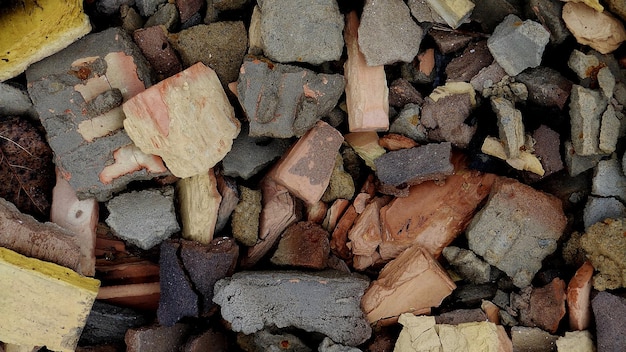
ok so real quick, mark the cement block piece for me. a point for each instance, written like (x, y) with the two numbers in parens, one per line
(303, 245)
(220, 46)
(148, 7)
(549, 14)
(510, 126)
(518, 45)
(157, 338)
(584, 65)
(610, 316)
(95, 154)
(606, 81)
(303, 31)
(175, 120)
(14, 101)
(328, 345)
(326, 302)
(167, 15)
(609, 180)
(387, 33)
(249, 155)
(143, 218)
(468, 265)
(600, 208)
(407, 123)
(576, 163)
(245, 218)
(107, 324)
(586, 108)
(506, 237)
(283, 101)
(609, 130)
(154, 45)
(407, 167)
(546, 86)
(474, 58)
(576, 341)
(532, 339)
(605, 246)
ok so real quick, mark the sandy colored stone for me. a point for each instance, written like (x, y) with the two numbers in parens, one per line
(454, 12)
(186, 119)
(599, 30)
(245, 218)
(366, 145)
(199, 203)
(605, 245)
(576, 341)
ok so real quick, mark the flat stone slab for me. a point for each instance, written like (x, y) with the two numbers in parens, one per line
(325, 302)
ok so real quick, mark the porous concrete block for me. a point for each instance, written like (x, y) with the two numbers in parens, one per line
(85, 132)
(283, 101)
(610, 316)
(605, 246)
(600, 208)
(609, 180)
(302, 31)
(245, 218)
(143, 218)
(186, 119)
(518, 227)
(325, 302)
(387, 33)
(586, 108)
(518, 45)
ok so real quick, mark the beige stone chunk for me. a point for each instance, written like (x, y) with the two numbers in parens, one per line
(255, 39)
(452, 88)
(599, 30)
(367, 94)
(418, 334)
(605, 245)
(366, 145)
(130, 159)
(576, 341)
(186, 119)
(102, 125)
(594, 4)
(412, 283)
(454, 12)
(525, 160)
(43, 303)
(199, 204)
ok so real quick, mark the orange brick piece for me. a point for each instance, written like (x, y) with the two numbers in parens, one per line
(305, 170)
(578, 298)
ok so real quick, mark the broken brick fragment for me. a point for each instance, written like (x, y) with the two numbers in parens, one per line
(303, 244)
(154, 45)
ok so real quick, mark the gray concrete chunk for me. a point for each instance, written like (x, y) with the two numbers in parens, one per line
(325, 302)
(609, 180)
(609, 130)
(14, 101)
(143, 218)
(586, 108)
(518, 45)
(301, 30)
(599, 208)
(387, 33)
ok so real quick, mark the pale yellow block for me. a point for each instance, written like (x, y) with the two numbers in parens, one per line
(42, 303)
(418, 334)
(199, 204)
(32, 30)
(454, 12)
(471, 337)
(365, 144)
(451, 88)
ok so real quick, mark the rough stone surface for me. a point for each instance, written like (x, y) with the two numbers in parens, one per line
(610, 315)
(148, 7)
(178, 299)
(518, 45)
(605, 246)
(220, 46)
(549, 14)
(65, 86)
(401, 92)
(474, 58)
(546, 86)
(447, 42)
(532, 339)
(108, 323)
(326, 302)
(283, 101)
(167, 15)
(546, 306)
(617, 7)
(423, 12)
(14, 101)
(245, 218)
(407, 167)
(609, 180)
(156, 338)
(586, 108)
(387, 33)
(131, 20)
(488, 77)
(249, 155)
(600, 208)
(208, 341)
(341, 184)
(610, 127)
(154, 45)
(303, 31)
(598, 29)
(576, 163)
(518, 227)
(548, 149)
(143, 218)
(576, 341)
(584, 65)
(444, 114)
(467, 264)
(407, 123)
(303, 245)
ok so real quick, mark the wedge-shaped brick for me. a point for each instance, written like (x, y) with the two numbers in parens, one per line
(42, 303)
(186, 119)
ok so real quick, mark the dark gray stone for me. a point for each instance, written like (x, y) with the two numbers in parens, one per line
(326, 302)
(406, 167)
(148, 7)
(407, 123)
(109, 7)
(610, 316)
(167, 15)
(283, 101)
(107, 324)
(178, 298)
(472, 295)
(548, 12)
(387, 33)
(14, 101)
(301, 30)
(546, 86)
(143, 218)
(491, 12)
(249, 155)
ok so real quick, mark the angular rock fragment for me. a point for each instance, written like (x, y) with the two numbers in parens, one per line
(199, 203)
(585, 66)
(412, 283)
(454, 12)
(548, 149)
(156, 338)
(328, 345)
(208, 341)
(609, 180)
(302, 31)
(367, 95)
(549, 14)
(393, 142)
(401, 92)
(92, 150)
(186, 119)
(510, 126)
(154, 45)
(599, 30)
(365, 235)
(167, 15)
(245, 218)
(586, 108)
(366, 145)
(270, 340)
(447, 42)
(387, 33)
(605, 245)
(474, 58)
(576, 163)
(227, 187)
(576, 341)
(108, 323)
(14, 101)
(467, 264)
(546, 86)
(488, 77)
(600, 208)
(143, 218)
(578, 298)
(326, 302)
(609, 131)
(306, 168)
(610, 313)
(303, 245)
(518, 45)
(532, 339)
(341, 184)
(518, 227)
(148, 7)
(546, 306)
(283, 101)
(403, 168)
